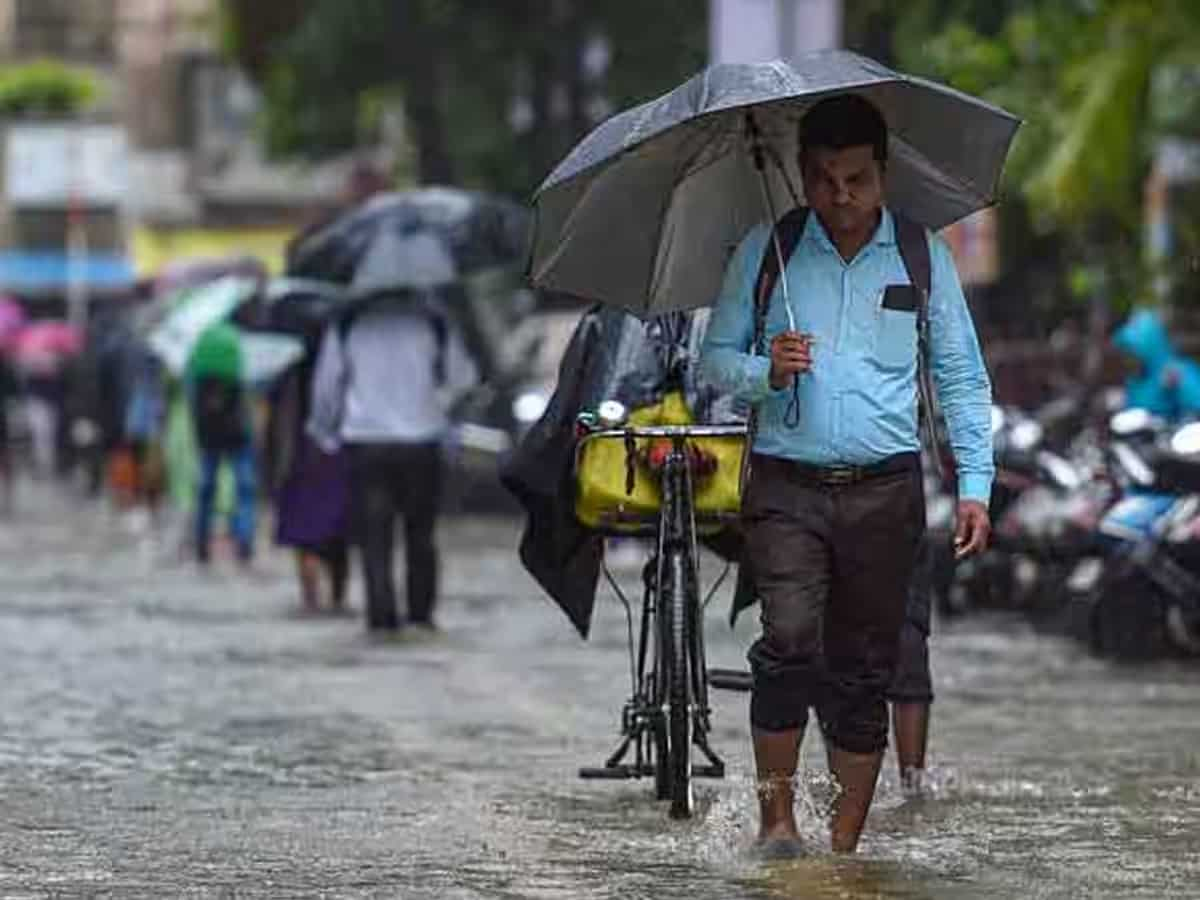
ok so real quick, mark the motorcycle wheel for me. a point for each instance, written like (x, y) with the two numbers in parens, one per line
(1129, 618)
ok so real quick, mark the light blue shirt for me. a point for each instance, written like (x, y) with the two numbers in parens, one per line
(858, 405)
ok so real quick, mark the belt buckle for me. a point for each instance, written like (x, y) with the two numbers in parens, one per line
(839, 476)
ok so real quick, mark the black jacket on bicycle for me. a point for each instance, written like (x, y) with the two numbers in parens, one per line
(612, 356)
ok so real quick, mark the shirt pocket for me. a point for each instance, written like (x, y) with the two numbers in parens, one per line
(895, 338)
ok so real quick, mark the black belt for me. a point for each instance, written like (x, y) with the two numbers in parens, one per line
(840, 475)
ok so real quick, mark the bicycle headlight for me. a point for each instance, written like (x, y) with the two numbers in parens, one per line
(612, 414)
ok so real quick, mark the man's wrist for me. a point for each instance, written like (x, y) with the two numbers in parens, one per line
(976, 488)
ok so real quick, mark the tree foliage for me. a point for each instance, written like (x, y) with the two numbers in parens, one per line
(1083, 75)
(493, 92)
(45, 88)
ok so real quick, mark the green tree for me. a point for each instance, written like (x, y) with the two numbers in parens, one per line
(1082, 73)
(494, 93)
(45, 88)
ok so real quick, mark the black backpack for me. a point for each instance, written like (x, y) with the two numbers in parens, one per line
(914, 251)
(220, 414)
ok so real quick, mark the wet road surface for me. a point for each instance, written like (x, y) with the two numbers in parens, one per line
(170, 734)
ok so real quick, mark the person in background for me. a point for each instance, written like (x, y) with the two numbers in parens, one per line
(312, 490)
(43, 406)
(143, 421)
(911, 691)
(10, 390)
(385, 377)
(223, 433)
(1165, 382)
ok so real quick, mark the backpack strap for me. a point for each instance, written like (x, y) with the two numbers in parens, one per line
(789, 229)
(914, 251)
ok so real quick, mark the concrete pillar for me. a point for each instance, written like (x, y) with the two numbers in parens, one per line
(760, 30)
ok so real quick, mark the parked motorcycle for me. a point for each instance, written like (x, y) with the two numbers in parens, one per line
(1044, 507)
(1141, 600)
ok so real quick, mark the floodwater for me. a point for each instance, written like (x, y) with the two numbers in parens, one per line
(167, 734)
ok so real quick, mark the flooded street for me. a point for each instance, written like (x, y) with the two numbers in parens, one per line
(168, 734)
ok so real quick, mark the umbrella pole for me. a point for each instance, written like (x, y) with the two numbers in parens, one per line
(759, 156)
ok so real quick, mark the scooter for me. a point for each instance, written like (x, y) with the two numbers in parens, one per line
(1043, 507)
(1138, 597)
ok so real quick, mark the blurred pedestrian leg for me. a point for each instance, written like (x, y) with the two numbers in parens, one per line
(312, 564)
(392, 480)
(242, 521)
(43, 434)
(911, 690)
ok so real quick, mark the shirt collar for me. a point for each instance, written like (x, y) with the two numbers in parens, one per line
(885, 233)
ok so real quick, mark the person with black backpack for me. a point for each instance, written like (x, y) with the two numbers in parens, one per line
(833, 511)
(221, 415)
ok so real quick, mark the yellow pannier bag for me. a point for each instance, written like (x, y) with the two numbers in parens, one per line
(602, 502)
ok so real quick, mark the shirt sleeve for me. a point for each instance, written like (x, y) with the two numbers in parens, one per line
(963, 386)
(328, 392)
(462, 371)
(726, 359)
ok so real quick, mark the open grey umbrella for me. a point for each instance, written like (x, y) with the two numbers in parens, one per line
(415, 262)
(478, 231)
(645, 212)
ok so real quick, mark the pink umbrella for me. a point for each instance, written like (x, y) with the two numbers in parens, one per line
(12, 320)
(41, 346)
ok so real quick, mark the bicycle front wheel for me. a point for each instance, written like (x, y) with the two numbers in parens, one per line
(679, 683)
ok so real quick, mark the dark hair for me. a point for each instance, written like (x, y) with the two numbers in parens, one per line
(845, 120)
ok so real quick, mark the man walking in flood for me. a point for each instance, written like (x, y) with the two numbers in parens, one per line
(834, 512)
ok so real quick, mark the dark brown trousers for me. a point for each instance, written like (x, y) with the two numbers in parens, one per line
(832, 567)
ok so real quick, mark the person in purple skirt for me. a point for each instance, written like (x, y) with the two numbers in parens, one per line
(312, 496)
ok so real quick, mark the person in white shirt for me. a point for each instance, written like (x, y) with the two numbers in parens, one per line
(384, 379)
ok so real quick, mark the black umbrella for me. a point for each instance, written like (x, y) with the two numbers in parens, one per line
(299, 306)
(646, 210)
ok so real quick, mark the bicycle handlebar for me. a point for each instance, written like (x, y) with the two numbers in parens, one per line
(670, 431)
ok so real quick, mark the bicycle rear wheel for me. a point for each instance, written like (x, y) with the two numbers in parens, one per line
(662, 758)
(680, 721)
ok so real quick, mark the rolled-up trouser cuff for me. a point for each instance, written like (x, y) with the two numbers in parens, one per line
(857, 742)
(912, 682)
(784, 687)
(854, 714)
(770, 714)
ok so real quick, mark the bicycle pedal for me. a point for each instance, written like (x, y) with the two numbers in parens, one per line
(730, 679)
(713, 771)
(614, 773)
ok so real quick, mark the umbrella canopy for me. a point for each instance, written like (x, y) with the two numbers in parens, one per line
(42, 347)
(194, 313)
(266, 356)
(477, 231)
(419, 261)
(645, 212)
(299, 306)
(12, 319)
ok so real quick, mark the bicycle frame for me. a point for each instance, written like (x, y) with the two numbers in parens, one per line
(668, 630)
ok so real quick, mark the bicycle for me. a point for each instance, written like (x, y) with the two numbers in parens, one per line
(668, 711)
